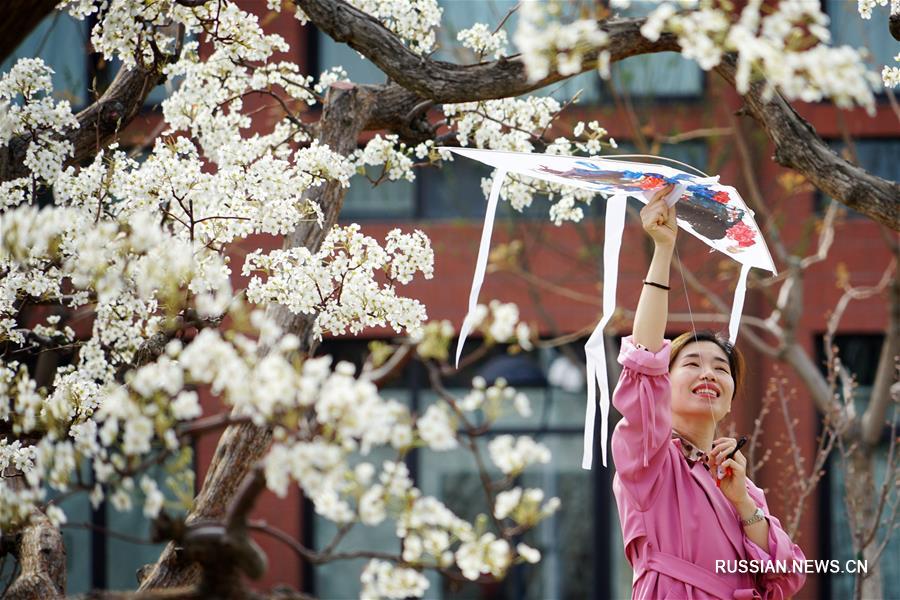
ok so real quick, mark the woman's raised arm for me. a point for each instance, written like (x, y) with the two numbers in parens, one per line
(653, 305)
(642, 395)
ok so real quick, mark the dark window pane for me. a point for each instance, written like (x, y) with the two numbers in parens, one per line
(61, 41)
(386, 201)
(334, 54)
(455, 192)
(666, 74)
(847, 28)
(860, 354)
(123, 557)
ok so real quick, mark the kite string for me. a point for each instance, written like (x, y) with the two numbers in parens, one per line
(694, 331)
(678, 162)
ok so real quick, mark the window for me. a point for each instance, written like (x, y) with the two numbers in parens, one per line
(61, 41)
(860, 353)
(334, 54)
(105, 547)
(663, 74)
(578, 544)
(455, 192)
(877, 156)
(389, 200)
(847, 28)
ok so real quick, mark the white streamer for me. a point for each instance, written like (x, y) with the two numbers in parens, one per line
(594, 349)
(481, 264)
(737, 307)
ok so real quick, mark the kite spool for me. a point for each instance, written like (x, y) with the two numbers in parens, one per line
(713, 213)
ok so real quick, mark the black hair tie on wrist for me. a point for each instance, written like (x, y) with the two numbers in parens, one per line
(659, 285)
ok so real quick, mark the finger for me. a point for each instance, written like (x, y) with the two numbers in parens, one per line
(723, 446)
(735, 466)
(664, 191)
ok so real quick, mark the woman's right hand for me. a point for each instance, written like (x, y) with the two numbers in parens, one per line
(659, 219)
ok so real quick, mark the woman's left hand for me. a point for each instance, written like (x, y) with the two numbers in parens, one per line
(733, 485)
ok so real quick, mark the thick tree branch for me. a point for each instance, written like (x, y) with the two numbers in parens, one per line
(98, 123)
(797, 146)
(886, 381)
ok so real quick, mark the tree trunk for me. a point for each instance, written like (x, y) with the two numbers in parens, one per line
(346, 111)
(42, 558)
(859, 486)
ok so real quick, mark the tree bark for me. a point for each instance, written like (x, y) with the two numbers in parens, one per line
(873, 421)
(42, 558)
(345, 114)
(861, 495)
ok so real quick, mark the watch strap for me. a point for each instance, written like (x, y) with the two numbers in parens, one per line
(757, 516)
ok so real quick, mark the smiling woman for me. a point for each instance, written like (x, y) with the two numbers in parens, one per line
(671, 396)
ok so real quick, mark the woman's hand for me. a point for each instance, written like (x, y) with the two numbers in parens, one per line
(733, 471)
(659, 219)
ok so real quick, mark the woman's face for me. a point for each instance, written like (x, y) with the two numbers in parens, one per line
(702, 382)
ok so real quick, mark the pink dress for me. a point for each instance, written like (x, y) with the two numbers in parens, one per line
(675, 522)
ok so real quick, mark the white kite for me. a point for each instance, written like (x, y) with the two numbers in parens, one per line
(714, 213)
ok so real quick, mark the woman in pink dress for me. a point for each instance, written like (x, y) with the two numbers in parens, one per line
(685, 536)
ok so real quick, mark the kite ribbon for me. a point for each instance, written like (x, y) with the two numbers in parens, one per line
(481, 264)
(737, 306)
(594, 350)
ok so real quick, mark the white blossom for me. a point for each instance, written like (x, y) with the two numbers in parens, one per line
(512, 455)
(436, 428)
(381, 579)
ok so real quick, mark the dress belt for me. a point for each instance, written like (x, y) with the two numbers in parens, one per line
(691, 574)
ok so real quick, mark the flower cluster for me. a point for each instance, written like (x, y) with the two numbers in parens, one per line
(382, 579)
(27, 108)
(500, 323)
(865, 7)
(785, 48)
(890, 75)
(548, 45)
(387, 151)
(125, 30)
(482, 41)
(513, 124)
(414, 21)
(524, 506)
(512, 455)
(493, 400)
(338, 282)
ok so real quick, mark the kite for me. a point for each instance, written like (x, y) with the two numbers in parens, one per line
(714, 213)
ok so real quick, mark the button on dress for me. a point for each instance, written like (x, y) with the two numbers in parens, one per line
(675, 522)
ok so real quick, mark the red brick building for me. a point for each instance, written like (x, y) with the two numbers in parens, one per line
(656, 101)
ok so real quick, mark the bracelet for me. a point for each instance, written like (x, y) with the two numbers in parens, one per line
(658, 285)
(759, 515)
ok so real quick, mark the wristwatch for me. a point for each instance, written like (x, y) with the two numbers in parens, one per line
(757, 516)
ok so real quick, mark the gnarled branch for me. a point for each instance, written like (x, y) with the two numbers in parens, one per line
(797, 146)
